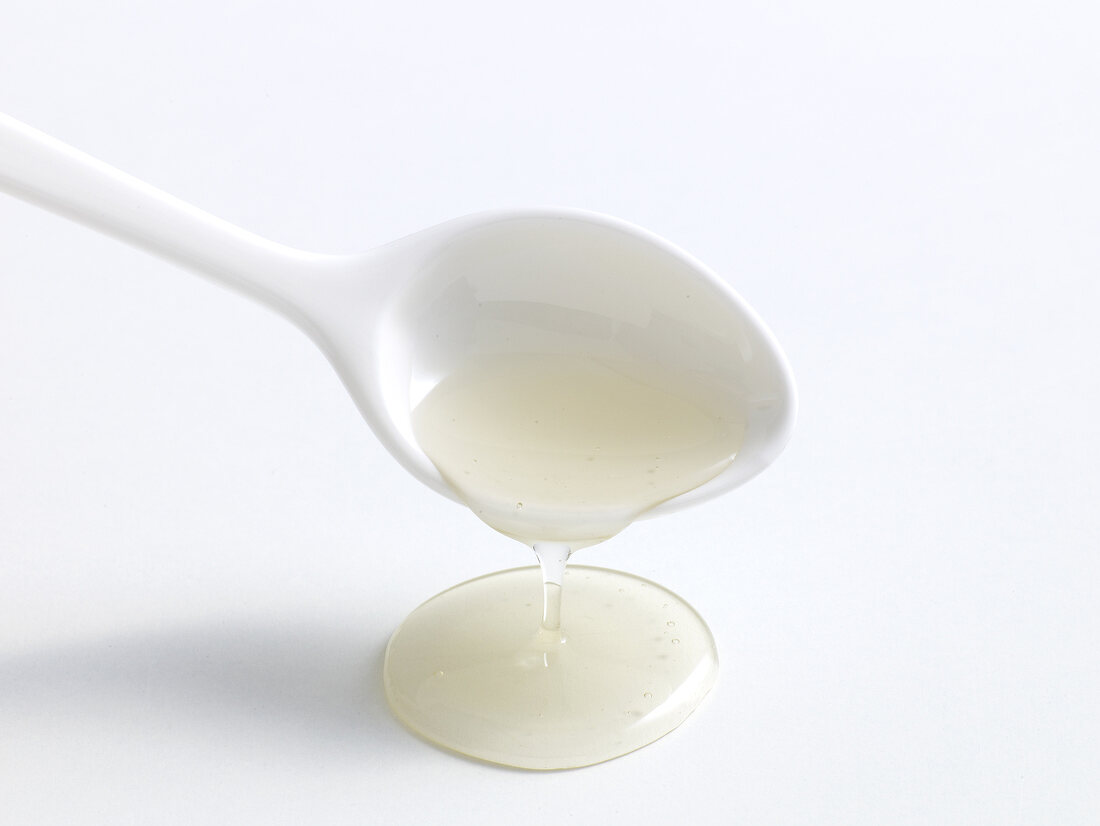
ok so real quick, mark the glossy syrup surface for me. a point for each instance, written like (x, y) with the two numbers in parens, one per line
(561, 452)
(569, 448)
(470, 670)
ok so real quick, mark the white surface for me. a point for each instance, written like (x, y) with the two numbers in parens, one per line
(203, 550)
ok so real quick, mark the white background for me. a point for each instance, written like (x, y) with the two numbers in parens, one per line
(203, 549)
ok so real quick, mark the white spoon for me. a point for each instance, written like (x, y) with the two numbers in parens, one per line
(395, 320)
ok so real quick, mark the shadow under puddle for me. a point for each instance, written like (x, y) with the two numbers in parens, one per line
(311, 686)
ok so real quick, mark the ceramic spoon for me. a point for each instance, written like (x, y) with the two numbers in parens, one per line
(396, 319)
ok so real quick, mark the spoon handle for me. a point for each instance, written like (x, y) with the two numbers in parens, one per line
(46, 172)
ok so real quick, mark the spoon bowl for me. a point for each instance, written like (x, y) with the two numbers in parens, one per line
(547, 281)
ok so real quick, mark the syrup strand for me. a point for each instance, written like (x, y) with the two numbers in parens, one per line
(553, 557)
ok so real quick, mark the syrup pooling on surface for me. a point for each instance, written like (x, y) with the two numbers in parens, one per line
(570, 448)
(467, 669)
